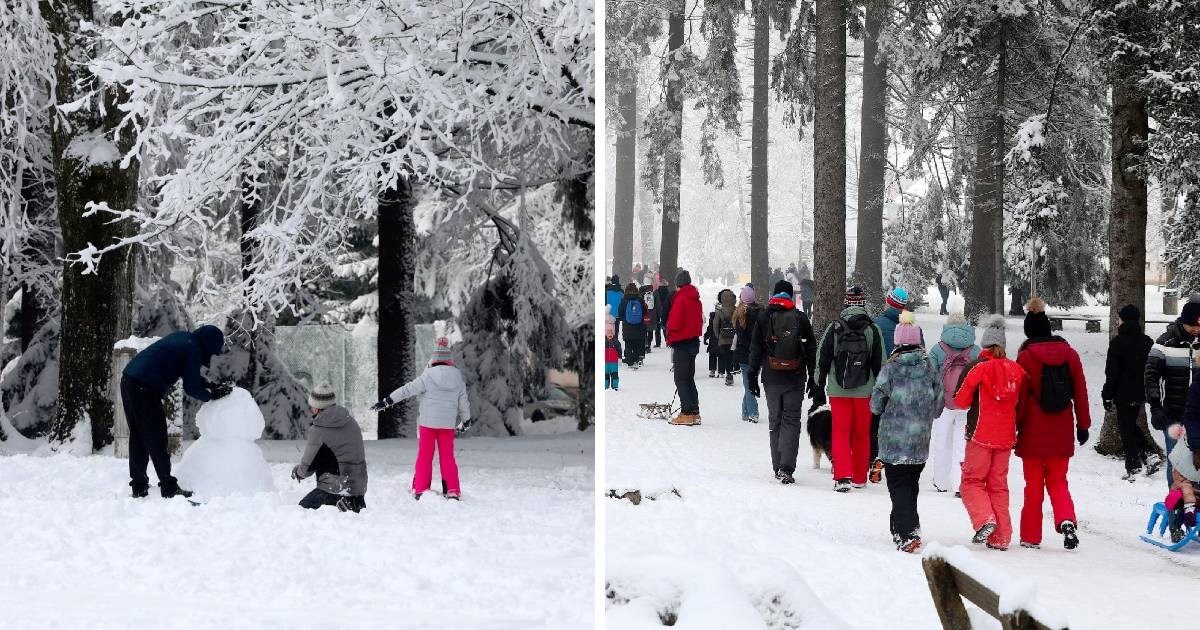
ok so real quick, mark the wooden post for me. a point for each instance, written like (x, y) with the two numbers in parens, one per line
(120, 359)
(946, 598)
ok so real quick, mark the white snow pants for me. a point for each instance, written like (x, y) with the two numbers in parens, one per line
(949, 447)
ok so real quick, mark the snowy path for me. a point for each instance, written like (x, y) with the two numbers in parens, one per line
(517, 552)
(737, 527)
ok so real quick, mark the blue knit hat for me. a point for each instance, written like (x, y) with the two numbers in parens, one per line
(897, 298)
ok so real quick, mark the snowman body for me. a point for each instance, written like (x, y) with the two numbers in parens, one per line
(225, 460)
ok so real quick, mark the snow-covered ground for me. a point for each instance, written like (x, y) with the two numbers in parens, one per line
(517, 552)
(737, 549)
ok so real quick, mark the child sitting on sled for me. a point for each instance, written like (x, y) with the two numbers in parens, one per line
(1181, 500)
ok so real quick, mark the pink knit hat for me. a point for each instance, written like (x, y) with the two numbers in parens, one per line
(907, 331)
(441, 354)
(746, 295)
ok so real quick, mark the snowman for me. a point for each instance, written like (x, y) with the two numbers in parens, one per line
(225, 460)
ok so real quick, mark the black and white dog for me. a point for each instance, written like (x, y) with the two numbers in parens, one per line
(820, 434)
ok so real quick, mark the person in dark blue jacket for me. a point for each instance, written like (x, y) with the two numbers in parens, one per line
(147, 378)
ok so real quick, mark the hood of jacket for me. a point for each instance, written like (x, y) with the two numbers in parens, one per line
(1048, 350)
(211, 339)
(445, 376)
(688, 291)
(727, 300)
(959, 336)
(332, 417)
(910, 363)
(891, 313)
(850, 312)
(1129, 329)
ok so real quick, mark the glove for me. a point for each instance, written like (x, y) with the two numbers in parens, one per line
(383, 404)
(1081, 435)
(1189, 517)
(818, 395)
(297, 474)
(220, 390)
(752, 385)
(1108, 406)
(1158, 418)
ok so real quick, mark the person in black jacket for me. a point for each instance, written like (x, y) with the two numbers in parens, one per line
(783, 377)
(1124, 389)
(662, 306)
(632, 307)
(1169, 372)
(144, 382)
(745, 317)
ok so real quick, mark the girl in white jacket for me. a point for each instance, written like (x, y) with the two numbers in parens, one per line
(444, 408)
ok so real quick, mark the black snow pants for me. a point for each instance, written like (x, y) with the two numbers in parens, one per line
(903, 482)
(147, 433)
(683, 357)
(785, 409)
(1132, 440)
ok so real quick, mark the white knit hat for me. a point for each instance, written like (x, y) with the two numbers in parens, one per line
(321, 396)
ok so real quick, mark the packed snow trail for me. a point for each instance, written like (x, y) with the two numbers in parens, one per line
(805, 538)
(516, 552)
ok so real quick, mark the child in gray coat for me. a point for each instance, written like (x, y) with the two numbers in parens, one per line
(334, 454)
(444, 409)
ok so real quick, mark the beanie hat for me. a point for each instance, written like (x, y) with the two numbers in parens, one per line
(1036, 322)
(1190, 314)
(322, 396)
(683, 278)
(993, 331)
(855, 297)
(783, 286)
(746, 295)
(955, 319)
(1130, 313)
(441, 354)
(907, 332)
(897, 298)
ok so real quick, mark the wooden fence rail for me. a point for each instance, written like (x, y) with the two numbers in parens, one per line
(949, 585)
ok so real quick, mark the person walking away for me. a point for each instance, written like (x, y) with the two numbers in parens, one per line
(907, 397)
(613, 295)
(683, 337)
(783, 351)
(990, 390)
(639, 274)
(144, 382)
(1124, 392)
(662, 304)
(650, 318)
(1051, 415)
(745, 318)
(951, 357)
(334, 453)
(710, 344)
(894, 303)
(612, 356)
(1169, 372)
(808, 292)
(445, 409)
(632, 315)
(851, 351)
(944, 291)
(724, 334)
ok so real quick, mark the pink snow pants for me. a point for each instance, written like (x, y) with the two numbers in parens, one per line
(443, 439)
(1049, 473)
(851, 437)
(984, 490)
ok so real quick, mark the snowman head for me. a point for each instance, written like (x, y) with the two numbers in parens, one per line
(321, 397)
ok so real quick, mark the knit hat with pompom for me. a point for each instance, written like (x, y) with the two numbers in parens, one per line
(1037, 324)
(955, 319)
(441, 354)
(907, 331)
(993, 331)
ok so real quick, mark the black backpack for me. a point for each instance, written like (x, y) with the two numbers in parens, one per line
(785, 346)
(724, 330)
(852, 361)
(1057, 387)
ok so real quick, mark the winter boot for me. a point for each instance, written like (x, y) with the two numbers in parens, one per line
(170, 488)
(712, 374)
(1153, 463)
(685, 419)
(753, 419)
(786, 478)
(1070, 540)
(876, 474)
(911, 545)
(140, 489)
(996, 547)
(729, 380)
(858, 486)
(1029, 545)
(351, 504)
(1130, 475)
(981, 534)
(417, 496)
(779, 474)
(897, 540)
(841, 485)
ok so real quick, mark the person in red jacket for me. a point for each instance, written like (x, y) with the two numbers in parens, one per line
(685, 324)
(1051, 415)
(990, 390)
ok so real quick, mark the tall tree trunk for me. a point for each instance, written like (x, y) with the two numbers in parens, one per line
(1127, 214)
(626, 183)
(251, 205)
(33, 313)
(646, 218)
(397, 238)
(96, 308)
(760, 263)
(829, 164)
(998, 141)
(672, 153)
(872, 159)
(984, 292)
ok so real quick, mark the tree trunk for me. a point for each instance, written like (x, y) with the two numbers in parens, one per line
(760, 263)
(646, 218)
(984, 292)
(829, 164)
(33, 313)
(672, 153)
(868, 262)
(998, 141)
(397, 238)
(1127, 214)
(626, 176)
(95, 307)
